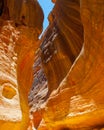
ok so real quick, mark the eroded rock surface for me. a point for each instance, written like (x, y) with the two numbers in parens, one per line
(56, 53)
(23, 12)
(55, 83)
(9, 95)
(18, 43)
(38, 92)
(62, 41)
(78, 101)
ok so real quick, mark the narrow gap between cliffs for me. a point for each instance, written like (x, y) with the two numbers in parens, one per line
(47, 6)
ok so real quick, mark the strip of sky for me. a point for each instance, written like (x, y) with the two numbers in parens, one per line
(47, 6)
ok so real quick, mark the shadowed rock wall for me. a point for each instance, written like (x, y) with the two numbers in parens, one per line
(62, 41)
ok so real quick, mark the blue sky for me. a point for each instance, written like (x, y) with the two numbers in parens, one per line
(47, 6)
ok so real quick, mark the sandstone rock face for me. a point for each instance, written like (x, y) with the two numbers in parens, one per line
(9, 95)
(54, 55)
(78, 101)
(24, 12)
(55, 83)
(39, 90)
(18, 43)
(62, 41)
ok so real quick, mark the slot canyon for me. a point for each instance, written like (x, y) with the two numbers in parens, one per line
(52, 82)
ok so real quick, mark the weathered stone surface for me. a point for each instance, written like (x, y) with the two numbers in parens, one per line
(18, 44)
(23, 12)
(17, 56)
(56, 58)
(38, 92)
(9, 98)
(78, 101)
(62, 41)
(43, 84)
(9, 95)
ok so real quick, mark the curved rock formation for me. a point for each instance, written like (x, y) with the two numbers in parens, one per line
(62, 41)
(9, 95)
(24, 12)
(18, 43)
(78, 101)
(55, 83)
(57, 51)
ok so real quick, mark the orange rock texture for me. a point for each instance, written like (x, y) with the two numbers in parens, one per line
(78, 101)
(20, 26)
(62, 41)
(56, 82)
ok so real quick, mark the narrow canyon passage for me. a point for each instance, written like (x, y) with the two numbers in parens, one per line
(52, 82)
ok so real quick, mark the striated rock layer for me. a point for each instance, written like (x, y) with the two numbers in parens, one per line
(13, 108)
(38, 92)
(78, 101)
(62, 41)
(20, 26)
(55, 83)
(60, 45)
(9, 95)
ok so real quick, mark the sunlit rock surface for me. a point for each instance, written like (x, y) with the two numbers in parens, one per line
(9, 95)
(18, 44)
(54, 55)
(78, 101)
(56, 82)
(16, 72)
